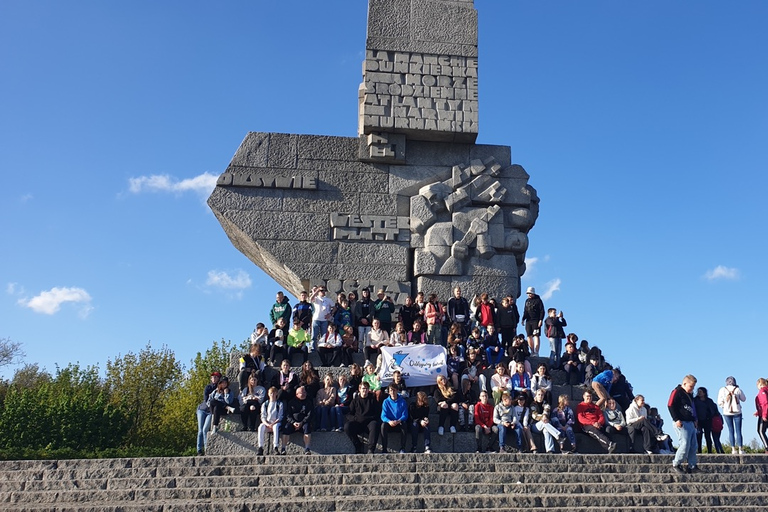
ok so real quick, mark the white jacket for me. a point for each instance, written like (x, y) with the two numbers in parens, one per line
(729, 398)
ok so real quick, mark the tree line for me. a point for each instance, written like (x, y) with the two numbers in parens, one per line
(144, 405)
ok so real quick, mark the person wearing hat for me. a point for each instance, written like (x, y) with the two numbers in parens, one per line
(204, 414)
(729, 398)
(533, 319)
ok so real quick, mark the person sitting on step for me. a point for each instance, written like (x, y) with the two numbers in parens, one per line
(251, 398)
(364, 416)
(394, 418)
(447, 400)
(591, 420)
(566, 419)
(483, 423)
(544, 423)
(325, 401)
(272, 412)
(299, 414)
(418, 412)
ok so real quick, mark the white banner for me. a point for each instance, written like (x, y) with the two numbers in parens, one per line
(419, 364)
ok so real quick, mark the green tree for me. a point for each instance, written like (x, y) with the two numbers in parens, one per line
(140, 385)
(178, 420)
(70, 411)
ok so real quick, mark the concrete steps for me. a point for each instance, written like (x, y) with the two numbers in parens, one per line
(386, 482)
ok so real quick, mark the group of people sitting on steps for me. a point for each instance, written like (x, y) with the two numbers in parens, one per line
(506, 408)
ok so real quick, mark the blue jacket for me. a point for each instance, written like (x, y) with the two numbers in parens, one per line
(392, 410)
(605, 379)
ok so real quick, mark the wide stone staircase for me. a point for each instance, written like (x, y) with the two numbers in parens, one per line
(407, 482)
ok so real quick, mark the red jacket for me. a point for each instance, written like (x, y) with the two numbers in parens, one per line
(484, 415)
(589, 414)
(761, 403)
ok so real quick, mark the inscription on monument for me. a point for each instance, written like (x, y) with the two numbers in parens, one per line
(266, 181)
(370, 227)
(420, 91)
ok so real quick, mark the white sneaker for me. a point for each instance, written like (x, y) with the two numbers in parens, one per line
(741, 450)
(427, 450)
(440, 431)
(453, 430)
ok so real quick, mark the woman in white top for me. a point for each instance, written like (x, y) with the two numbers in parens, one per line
(729, 399)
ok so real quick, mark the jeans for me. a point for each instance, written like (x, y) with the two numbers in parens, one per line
(734, 426)
(337, 415)
(417, 429)
(362, 331)
(686, 437)
(203, 426)
(555, 349)
(319, 327)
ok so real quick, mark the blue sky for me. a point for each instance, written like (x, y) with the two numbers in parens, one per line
(643, 126)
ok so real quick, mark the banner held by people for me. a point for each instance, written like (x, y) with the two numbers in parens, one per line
(419, 364)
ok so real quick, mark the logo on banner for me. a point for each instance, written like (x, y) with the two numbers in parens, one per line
(418, 364)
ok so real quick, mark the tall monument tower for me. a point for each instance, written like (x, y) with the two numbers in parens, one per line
(412, 203)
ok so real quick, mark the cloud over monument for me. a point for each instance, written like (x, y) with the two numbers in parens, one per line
(202, 184)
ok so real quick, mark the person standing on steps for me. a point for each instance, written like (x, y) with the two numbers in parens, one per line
(533, 319)
(729, 399)
(683, 412)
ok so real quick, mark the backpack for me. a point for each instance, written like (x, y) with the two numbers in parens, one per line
(717, 424)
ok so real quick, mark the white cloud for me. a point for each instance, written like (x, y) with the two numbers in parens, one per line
(532, 262)
(49, 302)
(722, 272)
(550, 288)
(202, 184)
(10, 288)
(221, 279)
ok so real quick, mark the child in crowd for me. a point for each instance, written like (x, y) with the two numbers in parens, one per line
(455, 364)
(418, 412)
(252, 396)
(399, 336)
(521, 382)
(272, 413)
(544, 423)
(665, 444)
(276, 340)
(519, 352)
(372, 378)
(355, 377)
(553, 329)
(343, 398)
(343, 315)
(566, 420)
(542, 380)
(417, 336)
(492, 345)
(504, 421)
(475, 342)
(456, 338)
(523, 418)
(447, 400)
(298, 341)
(483, 414)
(349, 345)
(500, 382)
(399, 382)
(472, 378)
(325, 401)
(571, 364)
(614, 418)
(329, 346)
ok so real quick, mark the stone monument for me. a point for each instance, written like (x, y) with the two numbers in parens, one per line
(412, 203)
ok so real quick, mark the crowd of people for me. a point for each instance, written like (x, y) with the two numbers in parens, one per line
(505, 411)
